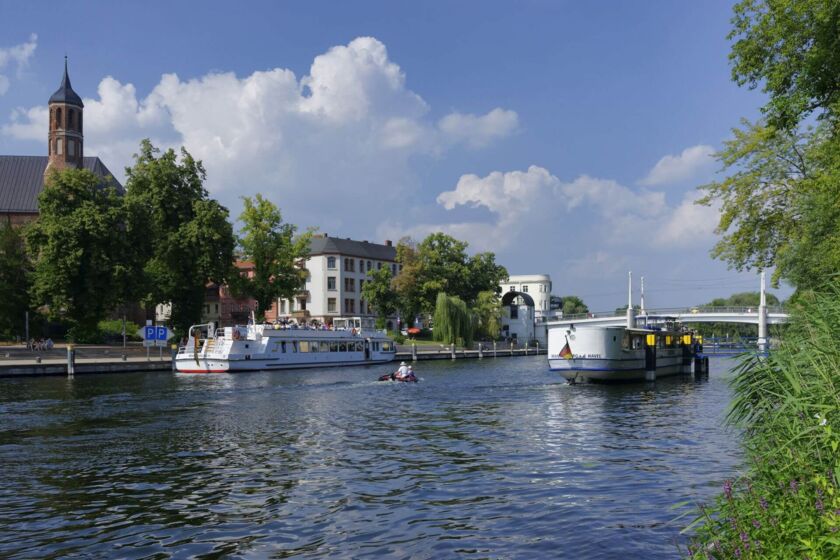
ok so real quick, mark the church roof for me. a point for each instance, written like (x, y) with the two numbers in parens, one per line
(321, 244)
(22, 180)
(65, 93)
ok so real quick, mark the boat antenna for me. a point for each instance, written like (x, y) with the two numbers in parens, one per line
(631, 317)
(642, 303)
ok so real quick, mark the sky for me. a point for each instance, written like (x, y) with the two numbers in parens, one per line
(569, 138)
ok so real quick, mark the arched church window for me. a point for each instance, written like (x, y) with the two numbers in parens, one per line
(71, 116)
(58, 123)
(59, 146)
(71, 148)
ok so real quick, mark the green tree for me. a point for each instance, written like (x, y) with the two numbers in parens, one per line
(406, 284)
(80, 249)
(484, 275)
(188, 238)
(380, 295)
(791, 49)
(454, 322)
(488, 311)
(573, 305)
(15, 276)
(277, 253)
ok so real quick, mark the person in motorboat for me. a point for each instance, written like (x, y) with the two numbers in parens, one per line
(402, 372)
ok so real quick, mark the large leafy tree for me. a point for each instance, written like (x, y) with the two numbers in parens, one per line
(406, 284)
(15, 276)
(573, 305)
(379, 294)
(81, 250)
(277, 252)
(779, 197)
(488, 312)
(188, 238)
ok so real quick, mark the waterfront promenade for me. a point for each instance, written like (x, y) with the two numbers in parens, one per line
(17, 361)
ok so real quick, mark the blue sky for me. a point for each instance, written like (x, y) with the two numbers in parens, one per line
(568, 137)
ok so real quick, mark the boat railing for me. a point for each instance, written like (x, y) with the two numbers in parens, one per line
(675, 311)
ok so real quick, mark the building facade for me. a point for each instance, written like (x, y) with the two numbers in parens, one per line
(527, 304)
(22, 178)
(337, 270)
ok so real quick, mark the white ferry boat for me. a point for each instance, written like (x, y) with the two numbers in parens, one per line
(627, 352)
(583, 354)
(351, 341)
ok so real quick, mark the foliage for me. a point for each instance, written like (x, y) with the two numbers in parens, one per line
(113, 328)
(378, 293)
(440, 264)
(791, 47)
(15, 273)
(573, 305)
(188, 239)
(276, 252)
(488, 312)
(454, 322)
(788, 404)
(734, 330)
(81, 250)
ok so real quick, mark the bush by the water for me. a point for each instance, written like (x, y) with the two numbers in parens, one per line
(787, 503)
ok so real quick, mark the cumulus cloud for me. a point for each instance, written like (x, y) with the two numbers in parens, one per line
(17, 54)
(689, 224)
(476, 131)
(332, 148)
(671, 169)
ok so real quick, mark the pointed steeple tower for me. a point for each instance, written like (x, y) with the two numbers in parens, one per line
(66, 141)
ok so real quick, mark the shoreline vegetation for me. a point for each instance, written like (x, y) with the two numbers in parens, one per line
(786, 505)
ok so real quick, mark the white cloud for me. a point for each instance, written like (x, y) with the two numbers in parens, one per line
(476, 131)
(331, 148)
(689, 224)
(18, 54)
(687, 165)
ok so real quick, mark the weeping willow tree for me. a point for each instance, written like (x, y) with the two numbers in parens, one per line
(454, 322)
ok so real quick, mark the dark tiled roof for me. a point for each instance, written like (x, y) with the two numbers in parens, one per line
(22, 180)
(320, 245)
(65, 93)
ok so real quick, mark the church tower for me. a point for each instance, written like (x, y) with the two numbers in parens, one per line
(66, 141)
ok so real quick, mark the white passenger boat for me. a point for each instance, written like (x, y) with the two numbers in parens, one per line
(351, 341)
(657, 348)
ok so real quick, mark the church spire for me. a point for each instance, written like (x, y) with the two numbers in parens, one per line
(65, 93)
(66, 137)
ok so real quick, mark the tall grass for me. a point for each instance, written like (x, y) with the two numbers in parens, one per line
(787, 505)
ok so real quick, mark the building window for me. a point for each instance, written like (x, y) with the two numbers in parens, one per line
(378, 266)
(369, 265)
(331, 283)
(331, 263)
(58, 123)
(282, 306)
(331, 305)
(361, 265)
(349, 285)
(70, 113)
(362, 306)
(514, 312)
(71, 148)
(216, 307)
(393, 270)
(59, 146)
(525, 288)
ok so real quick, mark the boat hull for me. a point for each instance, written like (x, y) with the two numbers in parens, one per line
(585, 371)
(238, 366)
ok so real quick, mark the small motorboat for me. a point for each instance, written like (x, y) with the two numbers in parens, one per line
(410, 378)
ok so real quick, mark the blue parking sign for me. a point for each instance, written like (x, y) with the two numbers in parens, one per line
(149, 332)
(161, 334)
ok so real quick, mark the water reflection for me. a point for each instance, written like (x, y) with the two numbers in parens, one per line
(495, 458)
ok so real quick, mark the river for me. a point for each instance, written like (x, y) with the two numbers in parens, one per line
(481, 459)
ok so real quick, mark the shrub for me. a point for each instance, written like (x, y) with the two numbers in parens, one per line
(113, 328)
(788, 503)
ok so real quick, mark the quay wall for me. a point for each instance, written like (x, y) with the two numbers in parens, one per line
(32, 368)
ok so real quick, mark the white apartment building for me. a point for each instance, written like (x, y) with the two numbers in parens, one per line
(337, 270)
(522, 319)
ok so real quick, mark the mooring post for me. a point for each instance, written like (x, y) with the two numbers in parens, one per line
(452, 350)
(494, 348)
(413, 351)
(480, 352)
(71, 360)
(511, 348)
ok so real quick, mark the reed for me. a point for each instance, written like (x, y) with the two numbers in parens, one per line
(787, 503)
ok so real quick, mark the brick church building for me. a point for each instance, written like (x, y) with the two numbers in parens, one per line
(22, 177)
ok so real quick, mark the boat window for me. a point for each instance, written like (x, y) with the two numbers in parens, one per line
(294, 346)
(386, 346)
(304, 346)
(283, 346)
(625, 341)
(342, 347)
(360, 346)
(637, 341)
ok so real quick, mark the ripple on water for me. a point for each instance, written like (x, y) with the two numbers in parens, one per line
(496, 458)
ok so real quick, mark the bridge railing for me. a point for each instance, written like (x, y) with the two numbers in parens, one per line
(676, 311)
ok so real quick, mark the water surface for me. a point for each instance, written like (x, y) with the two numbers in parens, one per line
(481, 459)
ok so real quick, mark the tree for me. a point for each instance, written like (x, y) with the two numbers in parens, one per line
(791, 48)
(573, 305)
(189, 240)
(15, 276)
(484, 275)
(488, 311)
(276, 252)
(454, 322)
(80, 250)
(379, 294)
(406, 284)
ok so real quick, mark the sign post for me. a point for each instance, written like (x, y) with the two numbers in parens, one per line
(161, 336)
(149, 332)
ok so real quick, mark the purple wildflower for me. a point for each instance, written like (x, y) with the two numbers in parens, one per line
(745, 538)
(727, 489)
(794, 486)
(756, 523)
(819, 505)
(737, 552)
(733, 523)
(763, 503)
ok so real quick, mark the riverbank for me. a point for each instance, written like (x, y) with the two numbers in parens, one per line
(116, 360)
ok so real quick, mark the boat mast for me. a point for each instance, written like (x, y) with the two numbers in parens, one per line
(642, 303)
(631, 317)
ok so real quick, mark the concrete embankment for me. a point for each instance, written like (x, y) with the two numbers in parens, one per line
(31, 367)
